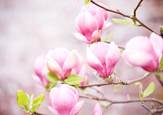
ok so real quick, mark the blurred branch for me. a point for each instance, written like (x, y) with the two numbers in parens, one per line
(111, 102)
(117, 83)
(120, 47)
(134, 18)
(124, 101)
(36, 113)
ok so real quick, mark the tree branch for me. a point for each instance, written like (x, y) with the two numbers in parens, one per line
(138, 5)
(134, 18)
(123, 101)
(36, 113)
(117, 83)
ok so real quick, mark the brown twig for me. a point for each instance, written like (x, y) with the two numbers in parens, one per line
(36, 113)
(159, 79)
(120, 47)
(123, 101)
(138, 5)
(117, 83)
(134, 18)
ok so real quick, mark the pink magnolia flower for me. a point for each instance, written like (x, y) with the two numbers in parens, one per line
(90, 22)
(40, 70)
(82, 73)
(61, 62)
(144, 52)
(64, 100)
(103, 57)
(97, 110)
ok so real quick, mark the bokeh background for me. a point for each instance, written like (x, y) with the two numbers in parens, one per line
(29, 28)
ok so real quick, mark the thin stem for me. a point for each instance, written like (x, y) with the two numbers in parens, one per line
(110, 10)
(138, 5)
(36, 113)
(123, 101)
(134, 18)
(159, 79)
(120, 47)
(117, 83)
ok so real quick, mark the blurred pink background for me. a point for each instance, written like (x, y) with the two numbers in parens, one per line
(29, 28)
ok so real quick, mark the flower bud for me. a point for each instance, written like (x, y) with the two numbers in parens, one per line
(61, 62)
(103, 57)
(144, 52)
(40, 70)
(90, 22)
(64, 100)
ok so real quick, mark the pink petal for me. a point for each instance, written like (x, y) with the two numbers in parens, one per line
(53, 111)
(81, 37)
(59, 55)
(96, 36)
(137, 58)
(54, 67)
(139, 51)
(71, 61)
(83, 75)
(39, 65)
(41, 70)
(77, 108)
(93, 61)
(157, 43)
(100, 50)
(86, 23)
(112, 58)
(97, 110)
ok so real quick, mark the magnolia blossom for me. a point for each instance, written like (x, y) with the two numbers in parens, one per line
(41, 70)
(62, 61)
(103, 57)
(64, 100)
(144, 52)
(82, 73)
(81, 70)
(90, 22)
(97, 110)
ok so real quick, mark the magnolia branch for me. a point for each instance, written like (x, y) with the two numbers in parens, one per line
(117, 83)
(123, 101)
(133, 17)
(111, 102)
(138, 5)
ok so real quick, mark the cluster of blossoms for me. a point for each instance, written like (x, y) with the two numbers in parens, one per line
(140, 51)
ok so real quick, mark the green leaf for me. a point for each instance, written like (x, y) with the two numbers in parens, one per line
(87, 1)
(161, 63)
(52, 77)
(161, 29)
(122, 21)
(149, 90)
(73, 80)
(37, 102)
(23, 99)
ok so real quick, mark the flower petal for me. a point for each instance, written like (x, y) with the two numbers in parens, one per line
(81, 37)
(97, 110)
(71, 61)
(75, 110)
(53, 111)
(112, 58)
(93, 61)
(157, 43)
(54, 67)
